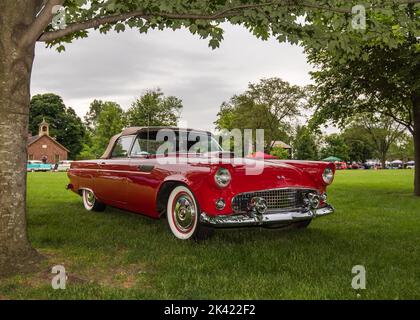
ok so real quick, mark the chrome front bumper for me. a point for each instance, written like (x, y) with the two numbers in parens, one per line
(253, 219)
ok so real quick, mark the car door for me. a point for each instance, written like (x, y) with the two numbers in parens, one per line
(111, 177)
(144, 177)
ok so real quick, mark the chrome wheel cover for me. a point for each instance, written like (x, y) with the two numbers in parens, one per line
(184, 213)
(90, 198)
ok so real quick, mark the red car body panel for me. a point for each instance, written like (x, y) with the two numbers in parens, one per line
(119, 183)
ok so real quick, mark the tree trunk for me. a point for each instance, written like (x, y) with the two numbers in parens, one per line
(383, 161)
(15, 73)
(416, 118)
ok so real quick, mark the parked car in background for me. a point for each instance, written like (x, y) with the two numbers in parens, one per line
(369, 165)
(355, 166)
(201, 187)
(63, 165)
(397, 164)
(36, 165)
(410, 165)
(340, 165)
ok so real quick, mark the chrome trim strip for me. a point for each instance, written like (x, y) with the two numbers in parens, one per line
(112, 171)
(244, 220)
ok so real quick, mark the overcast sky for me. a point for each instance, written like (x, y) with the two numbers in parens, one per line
(120, 67)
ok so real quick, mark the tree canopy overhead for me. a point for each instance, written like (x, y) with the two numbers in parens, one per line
(334, 24)
(382, 80)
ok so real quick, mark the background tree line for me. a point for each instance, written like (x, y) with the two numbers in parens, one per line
(271, 104)
(88, 138)
(274, 105)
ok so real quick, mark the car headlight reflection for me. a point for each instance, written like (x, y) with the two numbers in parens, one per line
(328, 176)
(222, 177)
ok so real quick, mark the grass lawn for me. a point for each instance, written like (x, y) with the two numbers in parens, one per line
(118, 255)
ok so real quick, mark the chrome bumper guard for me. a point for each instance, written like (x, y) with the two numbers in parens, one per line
(253, 219)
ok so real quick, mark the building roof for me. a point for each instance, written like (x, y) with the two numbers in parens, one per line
(33, 139)
(281, 144)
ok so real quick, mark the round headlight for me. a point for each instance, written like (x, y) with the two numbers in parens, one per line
(328, 176)
(222, 177)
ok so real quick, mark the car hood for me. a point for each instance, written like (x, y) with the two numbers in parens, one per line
(269, 175)
(261, 174)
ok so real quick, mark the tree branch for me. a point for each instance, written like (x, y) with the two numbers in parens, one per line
(96, 22)
(389, 113)
(227, 13)
(41, 22)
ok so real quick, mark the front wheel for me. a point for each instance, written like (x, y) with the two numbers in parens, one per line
(183, 215)
(90, 202)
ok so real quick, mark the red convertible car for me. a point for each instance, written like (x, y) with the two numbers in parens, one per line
(183, 175)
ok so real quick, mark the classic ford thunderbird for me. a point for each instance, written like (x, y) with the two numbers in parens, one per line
(183, 175)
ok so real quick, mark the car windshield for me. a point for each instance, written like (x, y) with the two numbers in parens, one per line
(164, 142)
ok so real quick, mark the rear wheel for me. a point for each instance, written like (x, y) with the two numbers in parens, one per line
(183, 215)
(90, 202)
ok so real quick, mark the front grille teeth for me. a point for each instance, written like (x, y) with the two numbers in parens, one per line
(276, 199)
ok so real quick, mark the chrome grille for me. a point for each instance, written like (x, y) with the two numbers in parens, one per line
(276, 199)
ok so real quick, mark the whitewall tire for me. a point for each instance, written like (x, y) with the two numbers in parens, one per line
(183, 215)
(90, 202)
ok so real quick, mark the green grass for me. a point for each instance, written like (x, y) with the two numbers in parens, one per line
(118, 255)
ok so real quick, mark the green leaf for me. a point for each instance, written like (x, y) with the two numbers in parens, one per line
(119, 27)
(213, 43)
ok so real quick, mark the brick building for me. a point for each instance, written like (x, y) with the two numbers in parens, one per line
(45, 148)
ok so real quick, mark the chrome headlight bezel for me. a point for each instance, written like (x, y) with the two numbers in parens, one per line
(222, 177)
(328, 176)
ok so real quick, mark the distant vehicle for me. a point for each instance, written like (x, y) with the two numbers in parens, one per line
(397, 164)
(340, 165)
(372, 165)
(368, 165)
(410, 165)
(36, 165)
(64, 165)
(356, 166)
